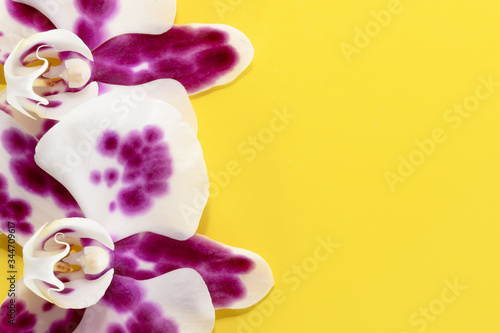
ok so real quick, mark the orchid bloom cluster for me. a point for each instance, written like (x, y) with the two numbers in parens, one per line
(107, 202)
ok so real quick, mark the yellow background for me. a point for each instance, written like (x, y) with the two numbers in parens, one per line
(358, 114)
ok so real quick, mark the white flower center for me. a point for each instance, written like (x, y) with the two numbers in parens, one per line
(95, 260)
(77, 73)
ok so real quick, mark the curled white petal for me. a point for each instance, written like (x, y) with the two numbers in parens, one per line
(39, 264)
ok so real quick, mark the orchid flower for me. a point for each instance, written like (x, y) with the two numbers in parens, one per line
(106, 211)
(58, 54)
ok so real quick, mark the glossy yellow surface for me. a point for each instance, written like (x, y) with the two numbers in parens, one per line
(371, 125)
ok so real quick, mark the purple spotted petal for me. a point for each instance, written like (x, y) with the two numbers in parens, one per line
(150, 165)
(199, 56)
(96, 21)
(18, 21)
(235, 277)
(29, 197)
(171, 303)
(30, 313)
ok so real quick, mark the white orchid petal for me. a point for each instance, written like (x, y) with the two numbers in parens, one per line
(152, 155)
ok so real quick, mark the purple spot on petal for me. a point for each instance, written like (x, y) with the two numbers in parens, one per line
(66, 291)
(90, 32)
(3, 107)
(3, 183)
(53, 104)
(26, 228)
(4, 198)
(47, 125)
(148, 317)
(97, 10)
(29, 176)
(95, 177)
(129, 152)
(15, 142)
(19, 210)
(69, 323)
(156, 188)
(14, 210)
(75, 214)
(108, 143)
(112, 207)
(61, 195)
(131, 175)
(133, 200)
(47, 306)
(24, 320)
(123, 294)
(50, 93)
(157, 170)
(152, 134)
(111, 176)
(94, 16)
(116, 328)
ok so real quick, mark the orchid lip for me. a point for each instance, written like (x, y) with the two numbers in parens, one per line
(57, 260)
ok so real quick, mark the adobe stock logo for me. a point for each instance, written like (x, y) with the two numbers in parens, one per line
(428, 314)
(454, 118)
(224, 6)
(250, 148)
(363, 36)
(248, 151)
(292, 278)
